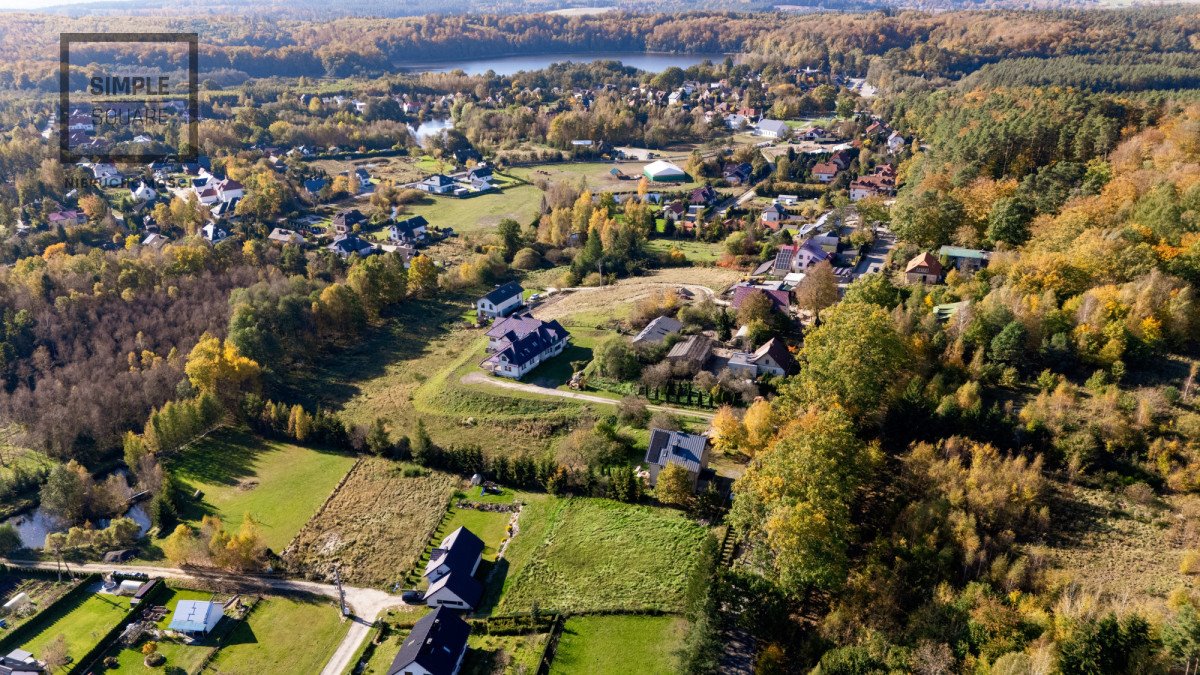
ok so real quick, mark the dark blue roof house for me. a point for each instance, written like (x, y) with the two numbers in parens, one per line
(436, 645)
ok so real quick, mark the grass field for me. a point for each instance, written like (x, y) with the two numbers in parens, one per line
(695, 251)
(186, 657)
(519, 202)
(384, 653)
(588, 554)
(376, 526)
(596, 175)
(83, 622)
(516, 654)
(279, 484)
(301, 633)
(599, 645)
(490, 526)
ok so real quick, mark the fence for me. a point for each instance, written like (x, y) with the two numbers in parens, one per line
(94, 655)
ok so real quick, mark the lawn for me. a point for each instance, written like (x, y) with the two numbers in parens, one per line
(490, 526)
(84, 622)
(588, 554)
(484, 212)
(597, 645)
(517, 654)
(186, 657)
(279, 484)
(302, 633)
(384, 653)
(377, 526)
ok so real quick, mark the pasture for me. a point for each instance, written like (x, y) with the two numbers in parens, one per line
(611, 644)
(281, 485)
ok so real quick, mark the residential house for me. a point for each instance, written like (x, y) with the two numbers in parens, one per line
(871, 186)
(800, 257)
(773, 129)
(704, 196)
(313, 186)
(773, 358)
(107, 175)
(842, 158)
(825, 172)
(451, 569)
(773, 215)
(436, 184)
(345, 220)
(737, 174)
(676, 447)
(965, 259)
(519, 343)
(657, 330)
(923, 269)
(692, 352)
(285, 236)
(20, 662)
(896, 142)
(435, 645)
(195, 618)
(347, 245)
(780, 299)
(67, 218)
(410, 230)
(501, 302)
(155, 240)
(213, 233)
(675, 211)
(143, 193)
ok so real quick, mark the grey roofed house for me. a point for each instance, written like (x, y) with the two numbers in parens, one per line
(657, 330)
(409, 229)
(346, 219)
(459, 552)
(435, 644)
(456, 589)
(693, 351)
(676, 447)
(502, 293)
(283, 235)
(349, 244)
(521, 324)
(19, 662)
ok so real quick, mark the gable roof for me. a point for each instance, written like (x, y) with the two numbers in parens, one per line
(774, 126)
(519, 350)
(925, 260)
(780, 299)
(464, 586)
(658, 329)
(503, 293)
(521, 323)
(778, 353)
(459, 552)
(195, 616)
(694, 348)
(349, 243)
(676, 447)
(435, 643)
(348, 217)
(776, 208)
(825, 168)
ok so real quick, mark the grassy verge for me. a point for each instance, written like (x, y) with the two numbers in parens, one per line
(279, 484)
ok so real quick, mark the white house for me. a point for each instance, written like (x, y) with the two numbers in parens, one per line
(896, 142)
(213, 233)
(520, 343)
(143, 193)
(772, 358)
(502, 301)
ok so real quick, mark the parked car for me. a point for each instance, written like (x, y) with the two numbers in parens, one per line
(412, 597)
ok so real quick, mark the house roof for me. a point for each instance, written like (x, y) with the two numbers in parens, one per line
(676, 447)
(777, 208)
(658, 330)
(694, 348)
(780, 299)
(774, 126)
(349, 243)
(519, 350)
(195, 616)
(826, 168)
(438, 180)
(461, 584)
(960, 252)
(662, 168)
(503, 293)
(436, 642)
(459, 552)
(778, 352)
(520, 323)
(925, 260)
(348, 217)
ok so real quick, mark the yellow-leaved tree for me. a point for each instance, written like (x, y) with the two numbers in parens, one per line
(216, 367)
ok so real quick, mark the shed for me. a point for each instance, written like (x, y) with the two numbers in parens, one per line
(194, 617)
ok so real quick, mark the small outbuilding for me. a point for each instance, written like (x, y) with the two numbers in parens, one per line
(196, 618)
(662, 171)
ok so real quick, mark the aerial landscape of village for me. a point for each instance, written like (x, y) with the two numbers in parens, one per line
(607, 337)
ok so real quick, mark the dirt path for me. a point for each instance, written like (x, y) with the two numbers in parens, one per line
(480, 378)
